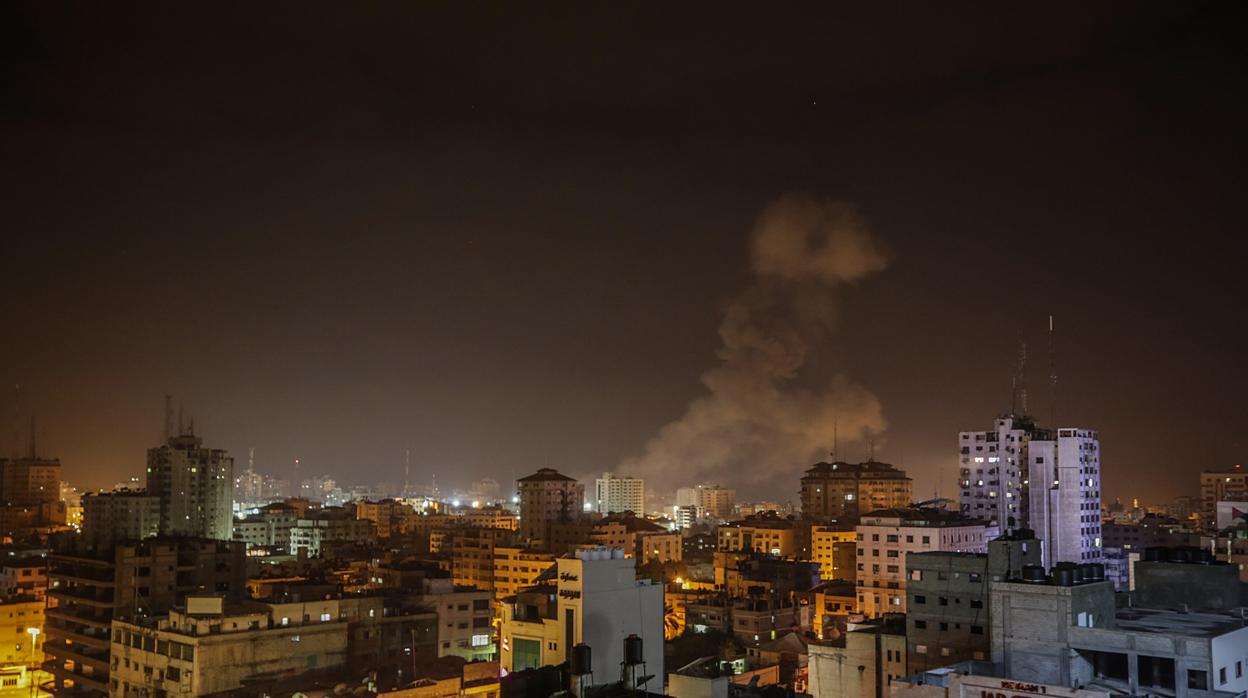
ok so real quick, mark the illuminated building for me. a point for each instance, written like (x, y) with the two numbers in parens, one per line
(767, 533)
(1065, 495)
(124, 515)
(840, 491)
(835, 551)
(547, 498)
(993, 472)
(1229, 485)
(24, 576)
(616, 495)
(886, 537)
(195, 486)
(21, 640)
(516, 568)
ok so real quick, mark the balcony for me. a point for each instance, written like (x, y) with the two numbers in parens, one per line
(96, 658)
(72, 595)
(98, 639)
(67, 616)
(94, 681)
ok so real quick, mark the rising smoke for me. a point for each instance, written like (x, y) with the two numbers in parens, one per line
(760, 421)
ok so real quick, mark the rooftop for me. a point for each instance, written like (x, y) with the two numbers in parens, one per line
(923, 516)
(547, 474)
(841, 469)
(1203, 625)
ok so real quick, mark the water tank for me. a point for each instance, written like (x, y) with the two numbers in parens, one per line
(1063, 576)
(617, 553)
(1098, 571)
(1079, 573)
(632, 650)
(1154, 554)
(1034, 574)
(1201, 556)
(1179, 555)
(582, 659)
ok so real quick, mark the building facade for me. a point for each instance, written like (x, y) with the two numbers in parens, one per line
(114, 517)
(886, 538)
(616, 495)
(1065, 495)
(842, 491)
(548, 497)
(195, 486)
(993, 471)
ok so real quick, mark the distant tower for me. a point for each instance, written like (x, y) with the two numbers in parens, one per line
(407, 472)
(1052, 375)
(195, 486)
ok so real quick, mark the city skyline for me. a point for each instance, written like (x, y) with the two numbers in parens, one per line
(344, 249)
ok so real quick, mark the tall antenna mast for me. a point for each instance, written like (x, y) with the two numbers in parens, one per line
(17, 420)
(32, 438)
(835, 439)
(251, 460)
(1052, 375)
(168, 417)
(1021, 377)
(407, 471)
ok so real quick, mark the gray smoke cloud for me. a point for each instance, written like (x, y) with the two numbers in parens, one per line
(760, 421)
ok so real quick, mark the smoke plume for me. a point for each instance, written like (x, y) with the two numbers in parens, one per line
(760, 420)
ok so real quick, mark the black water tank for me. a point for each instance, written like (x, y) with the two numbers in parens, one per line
(632, 650)
(1179, 555)
(1034, 574)
(1154, 554)
(1098, 571)
(1201, 556)
(1063, 576)
(582, 660)
(1024, 534)
(1078, 572)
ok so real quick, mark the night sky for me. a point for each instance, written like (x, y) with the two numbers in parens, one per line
(505, 236)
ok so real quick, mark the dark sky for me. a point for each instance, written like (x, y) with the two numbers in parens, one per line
(503, 235)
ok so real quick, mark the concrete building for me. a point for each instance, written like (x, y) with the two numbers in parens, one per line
(1226, 485)
(947, 599)
(516, 568)
(1065, 630)
(993, 472)
(981, 679)
(834, 604)
(465, 618)
(886, 537)
(836, 551)
(87, 591)
(1065, 495)
(473, 554)
(596, 600)
(548, 497)
(709, 501)
(1187, 579)
(842, 492)
(769, 534)
(863, 664)
(24, 576)
(616, 495)
(318, 529)
(30, 482)
(195, 486)
(21, 641)
(387, 515)
(123, 515)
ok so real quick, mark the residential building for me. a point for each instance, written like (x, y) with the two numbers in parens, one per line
(30, 492)
(21, 641)
(863, 664)
(947, 599)
(24, 576)
(993, 474)
(472, 554)
(1226, 485)
(88, 590)
(763, 533)
(886, 537)
(516, 568)
(318, 529)
(1065, 630)
(842, 492)
(115, 517)
(270, 527)
(465, 618)
(834, 603)
(548, 497)
(616, 495)
(195, 486)
(596, 600)
(1064, 496)
(836, 551)
(387, 515)
(493, 516)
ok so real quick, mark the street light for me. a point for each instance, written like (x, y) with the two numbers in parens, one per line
(34, 635)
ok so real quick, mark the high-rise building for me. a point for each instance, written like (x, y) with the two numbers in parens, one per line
(548, 497)
(195, 486)
(716, 502)
(109, 518)
(1229, 485)
(993, 471)
(30, 492)
(840, 491)
(619, 494)
(1064, 483)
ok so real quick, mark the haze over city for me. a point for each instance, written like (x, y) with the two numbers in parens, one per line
(576, 238)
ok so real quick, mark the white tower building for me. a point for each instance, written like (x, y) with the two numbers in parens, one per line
(619, 494)
(1065, 495)
(993, 473)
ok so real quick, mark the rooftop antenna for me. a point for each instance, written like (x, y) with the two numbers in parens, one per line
(835, 439)
(180, 422)
(32, 438)
(1052, 375)
(1019, 404)
(407, 471)
(251, 460)
(17, 420)
(168, 417)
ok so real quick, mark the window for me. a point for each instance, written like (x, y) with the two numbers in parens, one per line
(976, 603)
(1222, 676)
(325, 617)
(944, 627)
(920, 624)
(927, 540)
(920, 599)
(977, 630)
(920, 649)
(1239, 670)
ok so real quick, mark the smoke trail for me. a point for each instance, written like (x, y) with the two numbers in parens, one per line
(755, 425)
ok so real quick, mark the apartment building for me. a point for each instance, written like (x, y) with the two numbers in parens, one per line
(842, 492)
